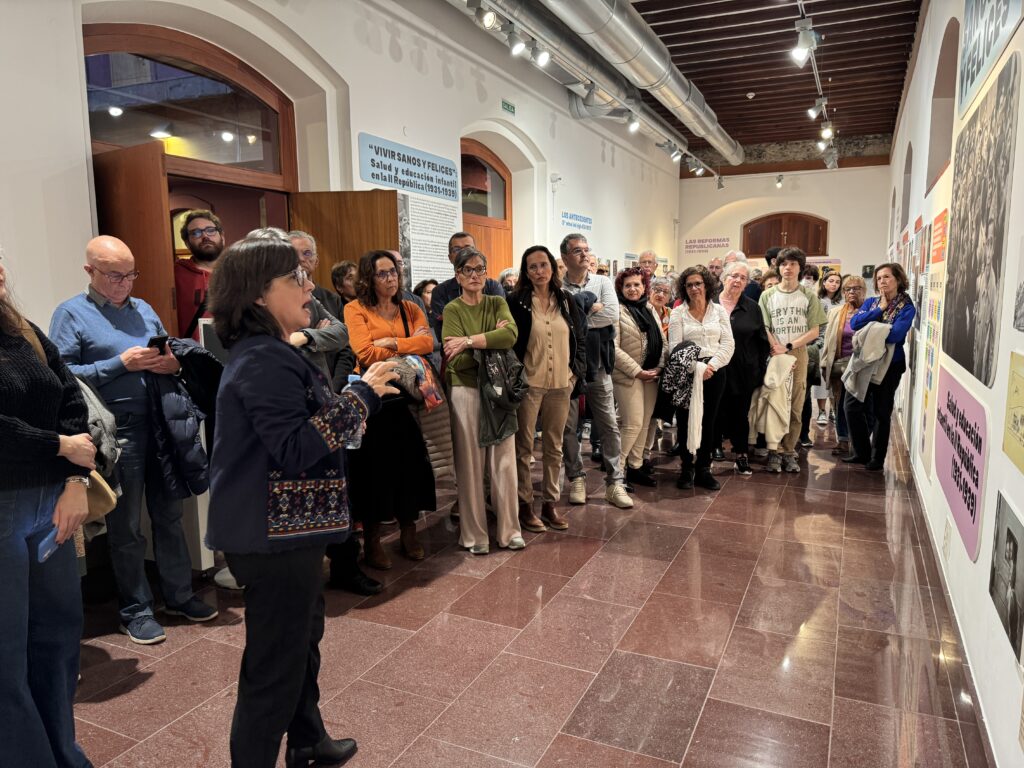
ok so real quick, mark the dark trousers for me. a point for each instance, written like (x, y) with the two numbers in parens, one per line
(344, 558)
(713, 390)
(734, 419)
(277, 686)
(870, 441)
(40, 629)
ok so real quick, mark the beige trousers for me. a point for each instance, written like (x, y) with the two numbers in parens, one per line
(470, 460)
(636, 407)
(796, 405)
(553, 407)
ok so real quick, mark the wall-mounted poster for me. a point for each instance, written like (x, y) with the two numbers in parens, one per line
(1018, 306)
(1006, 576)
(424, 226)
(932, 331)
(987, 27)
(979, 217)
(961, 445)
(1013, 425)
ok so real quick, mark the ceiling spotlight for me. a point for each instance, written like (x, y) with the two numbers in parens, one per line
(115, 111)
(719, 183)
(699, 171)
(818, 108)
(516, 43)
(695, 166)
(831, 158)
(826, 130)
(778, 181)
(161, 133)
(251, 138)
(634, 124)
(751, 94)
(806, 42)
(677, 155)
(485, 17)
(227, 136)
(540, 56)
(822, 145)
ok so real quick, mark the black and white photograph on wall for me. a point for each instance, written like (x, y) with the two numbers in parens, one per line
(979, 218)
(404, 232)
(1018, 306)
(1006, 578)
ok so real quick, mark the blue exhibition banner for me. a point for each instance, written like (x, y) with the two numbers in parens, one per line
(394, 165)
(987, 28)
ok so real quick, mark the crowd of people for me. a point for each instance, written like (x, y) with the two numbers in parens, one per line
(322, 399)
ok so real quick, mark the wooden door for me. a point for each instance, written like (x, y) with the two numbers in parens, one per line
(492, 233)
(802, 230)
(132, 205)
(345, 224)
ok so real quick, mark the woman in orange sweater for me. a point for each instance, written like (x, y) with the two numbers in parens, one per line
(390, 474)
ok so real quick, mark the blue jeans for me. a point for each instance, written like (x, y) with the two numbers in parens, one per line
(141, 476)
(40, 631)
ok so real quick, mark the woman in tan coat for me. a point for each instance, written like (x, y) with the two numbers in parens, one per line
(640, 352)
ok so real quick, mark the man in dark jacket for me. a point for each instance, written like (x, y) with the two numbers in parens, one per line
(103, 336)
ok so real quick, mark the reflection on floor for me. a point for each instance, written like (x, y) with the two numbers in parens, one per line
(786, 620)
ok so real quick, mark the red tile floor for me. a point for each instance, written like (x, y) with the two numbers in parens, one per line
(790, 621)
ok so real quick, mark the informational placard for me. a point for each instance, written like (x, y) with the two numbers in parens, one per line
(961, 444)
(932, 332)
(940, 236)
(1013, 424)
(986, 29)
(577, 222)
(424, 226)
(388, 164)
(697, 246)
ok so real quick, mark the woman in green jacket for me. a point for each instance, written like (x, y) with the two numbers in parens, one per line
(477, 321)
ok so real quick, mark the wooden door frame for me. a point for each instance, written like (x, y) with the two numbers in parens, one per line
(475, 148)
(160, 42)
(780, 215)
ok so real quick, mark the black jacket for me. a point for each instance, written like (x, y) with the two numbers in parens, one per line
(175, 418)
(521, 307)
(750, 360)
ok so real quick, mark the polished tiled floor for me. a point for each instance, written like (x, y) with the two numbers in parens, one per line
(789, 621)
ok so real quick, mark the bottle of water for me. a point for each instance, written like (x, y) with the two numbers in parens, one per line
(356, 441)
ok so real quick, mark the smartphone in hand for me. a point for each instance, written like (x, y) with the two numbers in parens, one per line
(158, 343)
(47, 546)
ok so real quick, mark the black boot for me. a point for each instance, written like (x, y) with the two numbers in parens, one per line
(329, 752)
(685, 481)
(639, 477)
(354, 580)
(705, 479)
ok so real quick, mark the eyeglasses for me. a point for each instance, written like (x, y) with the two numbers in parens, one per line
(195, 234)
(119, 277)
(386, 274)
(308, 255)
(664, 291)
(473, 271)
(578, 250)
(853, 289)
(694, 286)
(299, 275)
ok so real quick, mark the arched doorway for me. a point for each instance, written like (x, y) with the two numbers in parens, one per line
(803, 230)
(487, 203)
(943, 112)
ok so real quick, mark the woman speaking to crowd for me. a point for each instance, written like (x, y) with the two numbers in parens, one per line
(278, 496)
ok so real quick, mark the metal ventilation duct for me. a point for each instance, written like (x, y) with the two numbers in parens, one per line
(611, 90)
(619, 34)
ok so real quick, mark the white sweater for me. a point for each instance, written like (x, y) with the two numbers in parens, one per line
(713, 336)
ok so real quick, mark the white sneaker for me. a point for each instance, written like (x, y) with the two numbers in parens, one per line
(578, 490)
(616, 496)
(822, 418)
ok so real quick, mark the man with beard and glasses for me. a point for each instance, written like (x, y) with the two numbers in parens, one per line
(204, 237)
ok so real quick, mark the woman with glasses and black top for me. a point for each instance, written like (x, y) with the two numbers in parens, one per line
(381, 326)
(699, 320)
(278, 496)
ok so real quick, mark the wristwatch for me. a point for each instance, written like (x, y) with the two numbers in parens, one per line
(80, 479)
(789, 346)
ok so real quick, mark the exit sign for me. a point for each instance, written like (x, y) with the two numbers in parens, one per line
(508, 106)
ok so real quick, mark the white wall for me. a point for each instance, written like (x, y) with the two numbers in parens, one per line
(855, 202)
(996, 673)
(415, 72)
(45, 209)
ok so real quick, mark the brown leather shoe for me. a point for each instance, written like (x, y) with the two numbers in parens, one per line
(411, 546)
(553, 517)
(374, 554)
(529, 521)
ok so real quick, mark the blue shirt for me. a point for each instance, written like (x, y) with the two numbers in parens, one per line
(869, 312)
(91, 333)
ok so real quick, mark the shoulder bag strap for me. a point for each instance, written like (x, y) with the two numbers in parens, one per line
(200, 311)
(405, 320)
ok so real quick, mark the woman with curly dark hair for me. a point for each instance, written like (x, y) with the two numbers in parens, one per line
(640, 352)
(701, 321)
(380, 326)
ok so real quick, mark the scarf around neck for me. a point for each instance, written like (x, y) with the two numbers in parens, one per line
(894, 307)
(649, 327)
